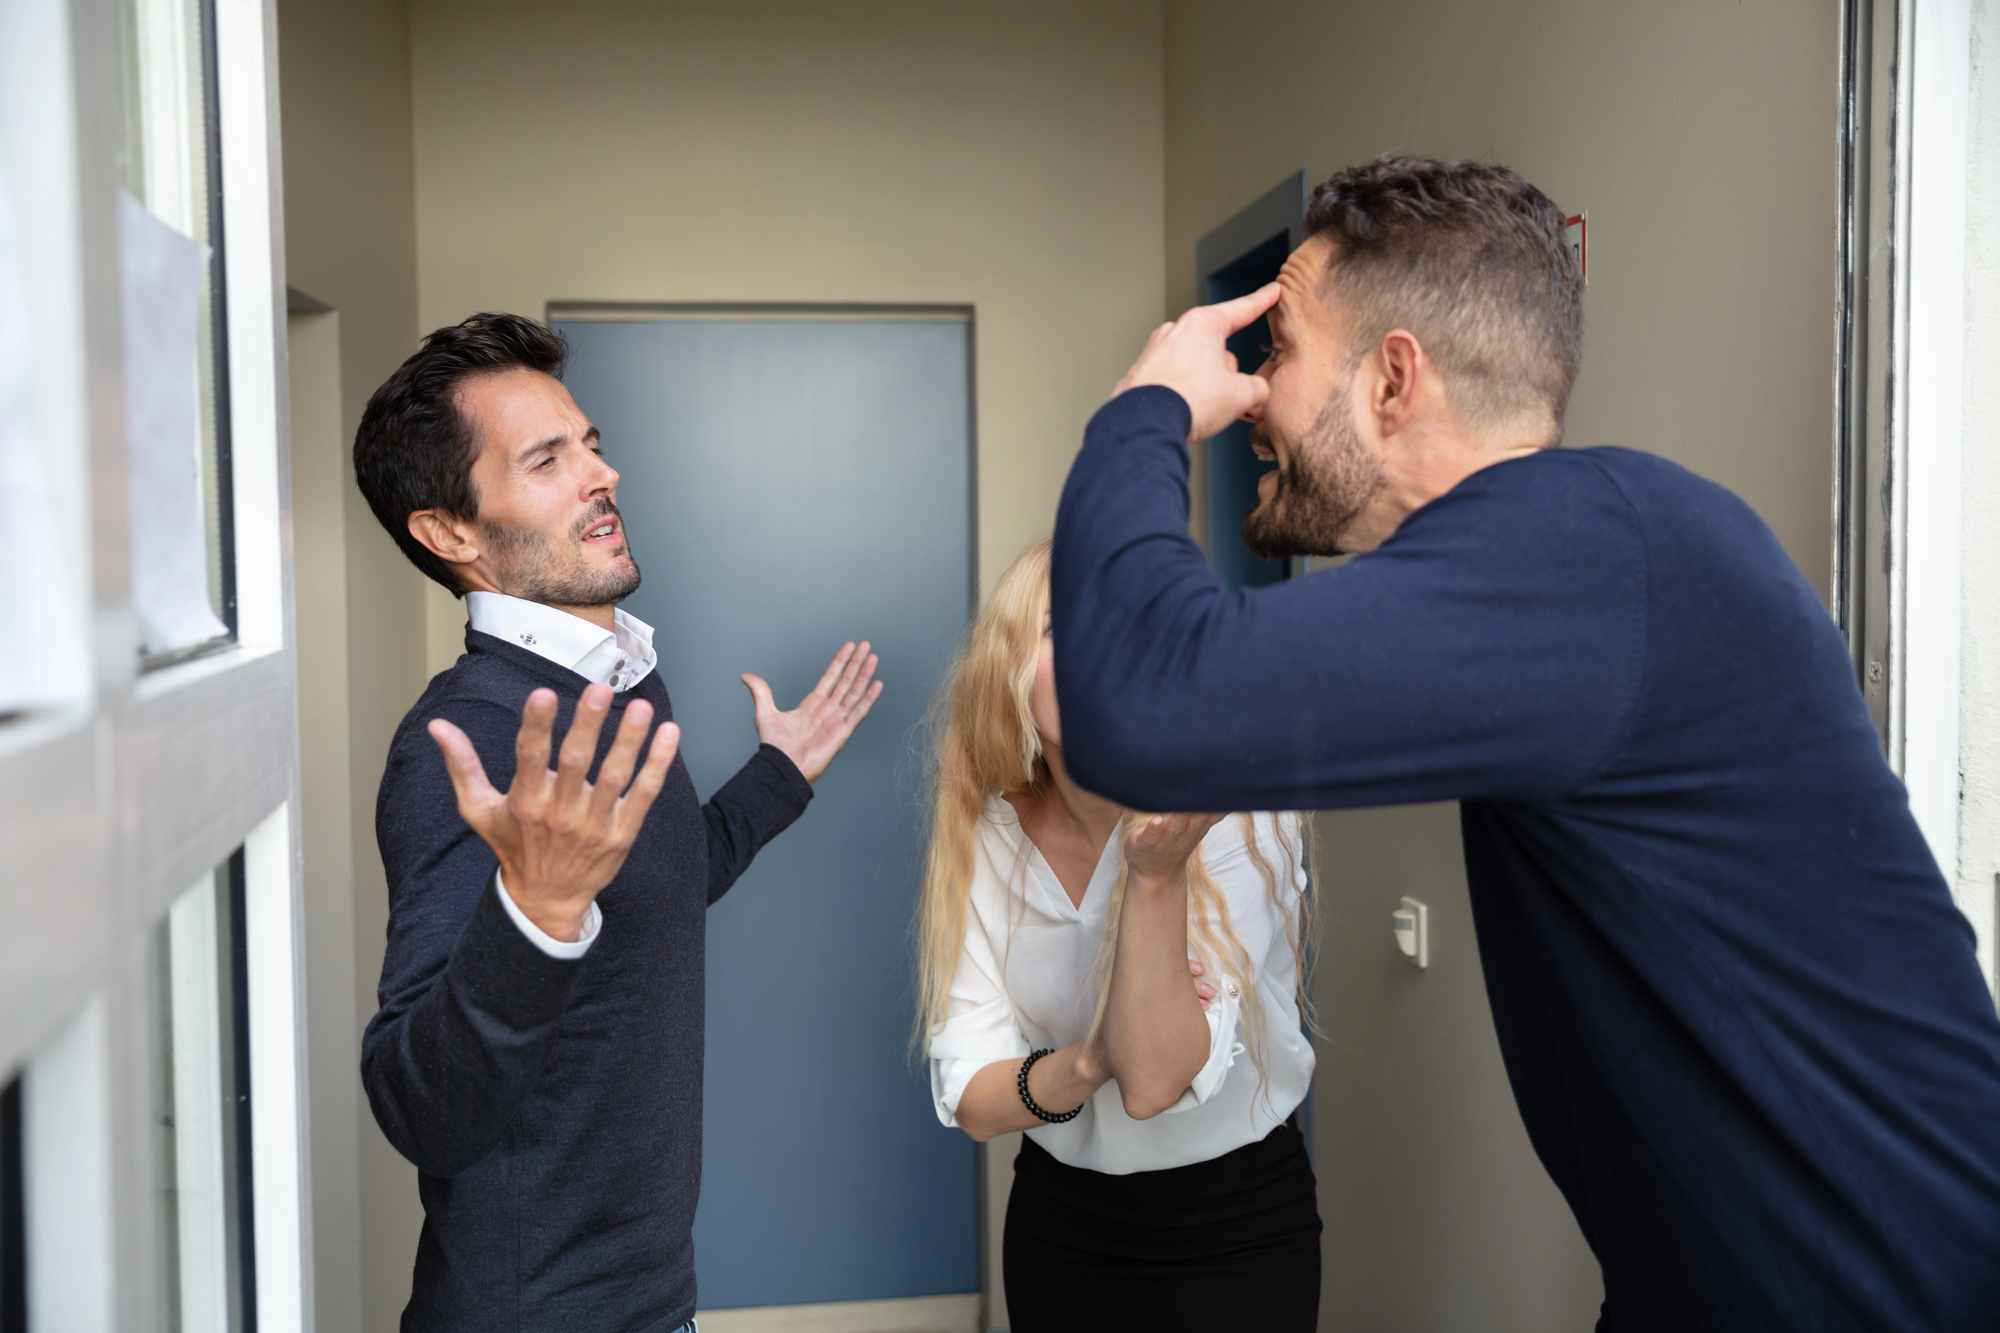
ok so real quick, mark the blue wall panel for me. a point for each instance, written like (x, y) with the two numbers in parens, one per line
(788, 485)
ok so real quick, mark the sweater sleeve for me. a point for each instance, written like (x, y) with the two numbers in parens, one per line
(749, 810)
(1493, 648)
(470, 1007)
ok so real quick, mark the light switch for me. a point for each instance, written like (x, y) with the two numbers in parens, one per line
(1413, 932)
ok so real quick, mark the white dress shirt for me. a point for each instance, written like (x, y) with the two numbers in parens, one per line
(1024, 984)
(619, 657)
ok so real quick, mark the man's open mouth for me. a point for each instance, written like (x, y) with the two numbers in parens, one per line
(603, 531)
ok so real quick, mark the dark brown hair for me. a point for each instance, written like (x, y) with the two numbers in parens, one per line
(415, 449)
(1472, 260)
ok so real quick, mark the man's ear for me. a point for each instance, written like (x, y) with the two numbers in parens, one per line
(1401, 371)
(452, 540)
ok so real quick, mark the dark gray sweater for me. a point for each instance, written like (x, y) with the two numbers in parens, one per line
(552, 1107)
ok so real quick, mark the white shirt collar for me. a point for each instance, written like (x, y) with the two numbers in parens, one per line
(620, 657)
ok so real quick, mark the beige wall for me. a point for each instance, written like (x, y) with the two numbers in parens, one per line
(1004, 156)
(1700, 137)
(350, 238)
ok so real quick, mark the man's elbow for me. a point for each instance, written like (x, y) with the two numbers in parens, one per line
(424, 1140)
(1131, 763)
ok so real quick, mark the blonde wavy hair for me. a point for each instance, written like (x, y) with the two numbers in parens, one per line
(984, 743)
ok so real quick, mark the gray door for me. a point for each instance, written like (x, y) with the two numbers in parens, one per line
(790, 482)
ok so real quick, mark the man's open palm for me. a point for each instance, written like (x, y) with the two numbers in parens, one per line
(812, 734)
(560, 837)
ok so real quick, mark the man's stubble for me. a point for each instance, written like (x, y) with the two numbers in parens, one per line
(1326, 480)
(533, 568)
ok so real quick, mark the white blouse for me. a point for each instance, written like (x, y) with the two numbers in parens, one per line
(1023, 983)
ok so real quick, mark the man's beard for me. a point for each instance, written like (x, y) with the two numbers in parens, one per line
(1325, 482)
(532, 567)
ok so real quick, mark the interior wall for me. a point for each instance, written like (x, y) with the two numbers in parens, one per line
(350, 237)
(1003, 156)
(1700, 138)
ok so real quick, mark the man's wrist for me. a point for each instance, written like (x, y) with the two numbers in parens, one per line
(563, 923)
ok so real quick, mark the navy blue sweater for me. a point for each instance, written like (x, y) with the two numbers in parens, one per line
(552, 1107)
(1741, 1015)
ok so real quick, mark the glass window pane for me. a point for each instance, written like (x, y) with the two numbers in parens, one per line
(202, 1109)
(171, 163)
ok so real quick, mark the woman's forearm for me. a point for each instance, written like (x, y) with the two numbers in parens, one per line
(1155, 1036)
(1060, 1081)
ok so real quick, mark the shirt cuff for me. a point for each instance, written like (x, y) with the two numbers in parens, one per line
(548, 944)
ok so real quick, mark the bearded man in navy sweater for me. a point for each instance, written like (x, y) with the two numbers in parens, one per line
(1741, 1015)
(538, 1053)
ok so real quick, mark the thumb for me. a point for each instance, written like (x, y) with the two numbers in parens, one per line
(468, 775)
(760, 693)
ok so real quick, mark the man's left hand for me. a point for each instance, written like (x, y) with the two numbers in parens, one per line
(813, 733)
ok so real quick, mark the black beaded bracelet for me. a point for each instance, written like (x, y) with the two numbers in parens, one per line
(1029, 1102)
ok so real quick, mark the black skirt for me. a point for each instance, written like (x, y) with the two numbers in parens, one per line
(1231, 1243)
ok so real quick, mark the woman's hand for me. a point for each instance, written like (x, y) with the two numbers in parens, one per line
(1162, 845)
(1202, 990)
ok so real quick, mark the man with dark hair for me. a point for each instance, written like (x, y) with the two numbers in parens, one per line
(1741, 1015)
(538, 1052)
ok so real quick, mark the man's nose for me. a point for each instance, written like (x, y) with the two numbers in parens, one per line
(601, 481)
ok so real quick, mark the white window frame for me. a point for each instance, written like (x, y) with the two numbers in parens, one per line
(115, 802)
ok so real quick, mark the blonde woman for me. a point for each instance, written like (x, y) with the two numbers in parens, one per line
(1125, 988)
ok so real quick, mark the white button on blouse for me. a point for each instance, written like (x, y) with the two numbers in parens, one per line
(1023, 983)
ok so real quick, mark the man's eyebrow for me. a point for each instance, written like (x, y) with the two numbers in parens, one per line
(533, 447)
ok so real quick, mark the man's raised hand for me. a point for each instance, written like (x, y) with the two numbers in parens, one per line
(1191, 357)
(560, 837)
(813, 733)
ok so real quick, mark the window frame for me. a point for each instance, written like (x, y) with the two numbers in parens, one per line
(145, 781)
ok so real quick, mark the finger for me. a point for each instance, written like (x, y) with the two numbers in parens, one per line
(1246, 310)
(633, 805)
(855, 662)
(616, 774)
(531, 745)
(579, 747)
(860, 710)
(468, 775)
(760, 693)
(832, 672)
(856, 684)
(1257, 391)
